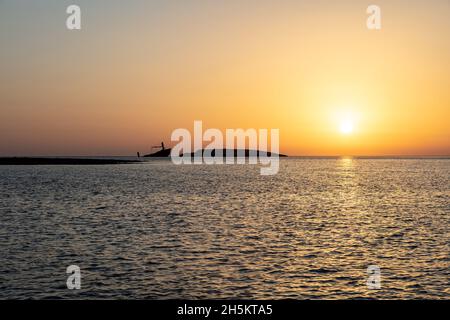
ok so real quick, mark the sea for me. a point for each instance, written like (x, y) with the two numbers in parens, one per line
(322, 228)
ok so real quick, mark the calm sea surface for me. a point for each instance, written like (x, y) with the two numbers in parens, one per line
(156, 230)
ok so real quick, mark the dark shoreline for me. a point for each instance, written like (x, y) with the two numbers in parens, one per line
(60, 161)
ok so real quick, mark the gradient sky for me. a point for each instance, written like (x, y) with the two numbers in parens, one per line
(139, 69)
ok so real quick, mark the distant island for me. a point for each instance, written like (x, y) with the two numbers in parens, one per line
(163, 152)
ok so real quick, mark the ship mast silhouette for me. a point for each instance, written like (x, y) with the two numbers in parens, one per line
(162, 152)
(161, 146)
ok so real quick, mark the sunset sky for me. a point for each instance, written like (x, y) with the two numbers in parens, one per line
(140, 69)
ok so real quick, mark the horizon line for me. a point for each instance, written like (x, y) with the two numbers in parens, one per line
(290, 156)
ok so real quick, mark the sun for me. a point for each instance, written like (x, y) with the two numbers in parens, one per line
(346, 126)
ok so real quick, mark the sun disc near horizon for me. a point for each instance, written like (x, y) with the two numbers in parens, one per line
(346, 126)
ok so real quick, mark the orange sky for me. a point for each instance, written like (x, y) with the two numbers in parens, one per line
(137, 71)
